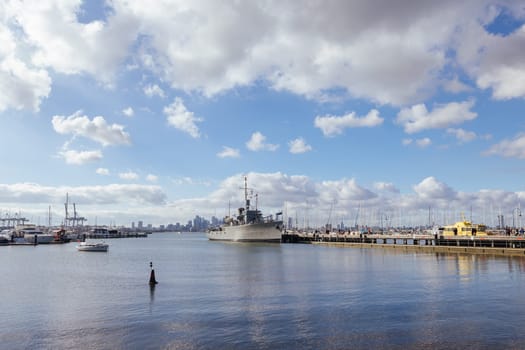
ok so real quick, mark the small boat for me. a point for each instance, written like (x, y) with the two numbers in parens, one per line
(92, 247)
(5, 237)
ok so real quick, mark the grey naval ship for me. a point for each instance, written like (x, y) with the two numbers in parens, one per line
(248, 226)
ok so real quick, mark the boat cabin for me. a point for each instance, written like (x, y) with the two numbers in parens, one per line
(463, 228)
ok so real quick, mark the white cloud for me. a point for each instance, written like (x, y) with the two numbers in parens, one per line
(430, 187)
(299, 146)
(22, 87)
(418, 118)
(343, 190)
(256, 143)
(130, 175)
(456, 86)
(102, 171)
(152, 178)
(80, 157)
(67, 46)
(154, 90)
(182, 119)
(297, 196)
(228, 152)
(123, 194)
(386, 186)
(462, 135)
(506, 82)
(273, 189)
(97, 129)
(513, 148)
(334, 125)
(301, 48)
(424, 142)
(186, 180)
(495, 62)
(128, 112)
(315, 50)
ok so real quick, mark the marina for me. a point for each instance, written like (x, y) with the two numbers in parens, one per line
(16, 230)
(32, 235)
(436, 241)
(460, 237)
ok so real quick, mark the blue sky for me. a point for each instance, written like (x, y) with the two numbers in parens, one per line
(332, 108)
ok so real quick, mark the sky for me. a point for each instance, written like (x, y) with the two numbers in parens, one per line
(362, 112)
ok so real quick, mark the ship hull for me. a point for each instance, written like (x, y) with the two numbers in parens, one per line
(257, 232)
(41, 238)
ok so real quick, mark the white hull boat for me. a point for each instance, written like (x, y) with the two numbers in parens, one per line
(38, 238)
(256, 232)
(32, 234)
(92, 247)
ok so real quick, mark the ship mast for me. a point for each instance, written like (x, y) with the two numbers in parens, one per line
(246, 200)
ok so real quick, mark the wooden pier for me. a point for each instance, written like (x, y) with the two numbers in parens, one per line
(490, 245)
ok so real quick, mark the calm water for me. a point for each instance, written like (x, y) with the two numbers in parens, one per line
(215, 295)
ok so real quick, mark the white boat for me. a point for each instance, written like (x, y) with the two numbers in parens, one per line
(248, 226)
(33, 235)
(92, 247)
(5, 237)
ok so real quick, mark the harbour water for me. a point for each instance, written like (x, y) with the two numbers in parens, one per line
(214, 295)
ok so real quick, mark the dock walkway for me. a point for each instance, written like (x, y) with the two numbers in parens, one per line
(492, 245)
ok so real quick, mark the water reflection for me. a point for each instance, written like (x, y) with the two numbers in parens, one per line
(247, 296)
(151, 293)
(467, 265)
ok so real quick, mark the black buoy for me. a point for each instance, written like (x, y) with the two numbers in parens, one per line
(152, 280)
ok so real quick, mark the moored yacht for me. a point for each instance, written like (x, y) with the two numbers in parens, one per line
(5, 236)
(93, 247)
(33, 235)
